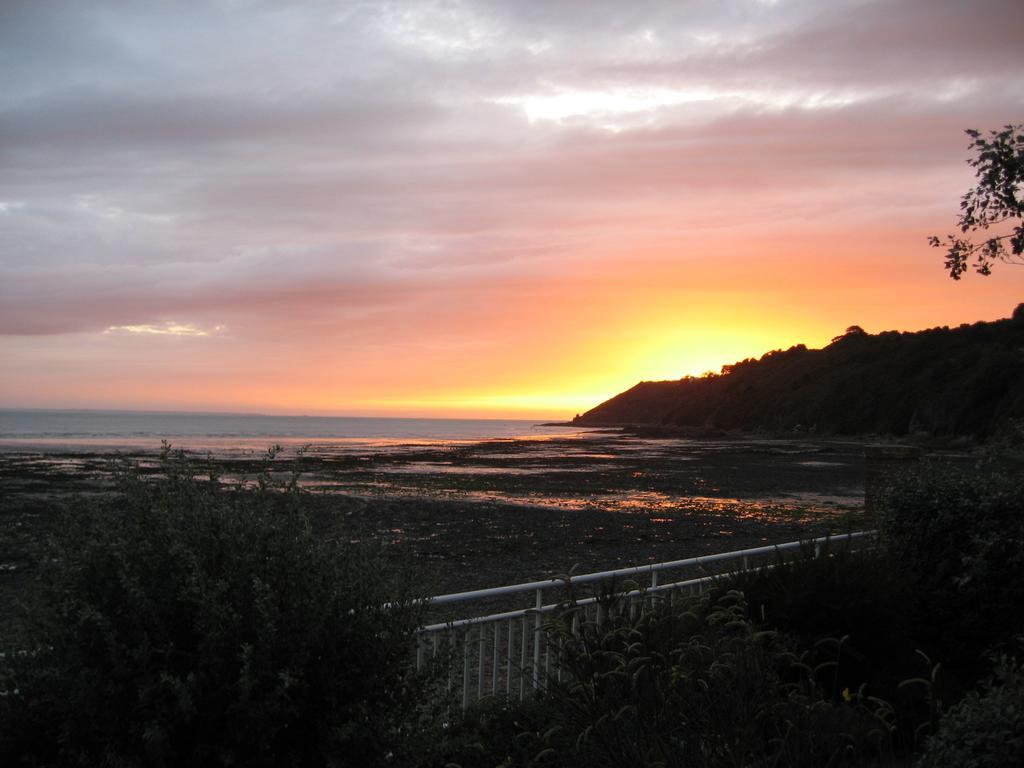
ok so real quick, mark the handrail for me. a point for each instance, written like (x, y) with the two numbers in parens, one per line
(637, 570)
(554, 606)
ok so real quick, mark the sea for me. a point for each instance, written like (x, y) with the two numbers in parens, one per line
(101, 431)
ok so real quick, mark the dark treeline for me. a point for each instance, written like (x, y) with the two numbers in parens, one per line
(965, 381)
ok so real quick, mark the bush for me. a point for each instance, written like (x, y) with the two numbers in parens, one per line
(183, 622)
(854, 593)
(986, 730)
(699, 685)
(842, 590)
(496, 733)
(957, 534)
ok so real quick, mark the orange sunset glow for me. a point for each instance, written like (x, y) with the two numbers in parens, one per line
(476, 209)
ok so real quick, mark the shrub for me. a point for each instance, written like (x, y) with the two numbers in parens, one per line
(183, 622)
(840, 590)
(495, 733)
(853, 592)
(699, 685)
(986, 729)
(957, 534)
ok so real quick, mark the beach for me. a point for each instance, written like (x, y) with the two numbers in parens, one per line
(465, 514)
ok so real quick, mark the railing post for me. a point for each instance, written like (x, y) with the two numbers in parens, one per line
(451, 659)
(465, 669)
(654, 585)
(494, 660)
(536, 639)
(522, 662)
(480, 663)
(511, 648)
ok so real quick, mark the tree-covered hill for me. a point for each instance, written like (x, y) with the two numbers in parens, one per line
(942, 381)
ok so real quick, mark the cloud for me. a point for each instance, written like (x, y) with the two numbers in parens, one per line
(365, 169)
(170, 328)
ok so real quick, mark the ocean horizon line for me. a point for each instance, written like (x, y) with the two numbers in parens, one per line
(262, 414)
(104, 428)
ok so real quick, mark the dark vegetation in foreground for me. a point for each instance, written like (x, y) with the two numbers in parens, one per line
(960, 382)
(182, 622)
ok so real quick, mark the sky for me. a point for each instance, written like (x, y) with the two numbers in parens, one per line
(475, 208)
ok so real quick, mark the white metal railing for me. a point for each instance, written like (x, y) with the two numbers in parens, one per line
(506, 653)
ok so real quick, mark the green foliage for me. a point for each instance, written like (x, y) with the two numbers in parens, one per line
(837, 591)
(986, 729)
(698, 685)
(495, 733)
(858, 594)
(957, 534)
(995, 202)
(183, 622)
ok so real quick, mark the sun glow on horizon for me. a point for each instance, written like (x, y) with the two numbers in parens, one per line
(475, 209)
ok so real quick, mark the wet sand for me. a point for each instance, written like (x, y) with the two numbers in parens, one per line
(468, 515)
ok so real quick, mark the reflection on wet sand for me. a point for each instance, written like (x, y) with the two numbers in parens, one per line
(509, 509)
(748, 479)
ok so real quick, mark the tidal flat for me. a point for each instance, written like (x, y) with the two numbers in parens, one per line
(464, 515)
